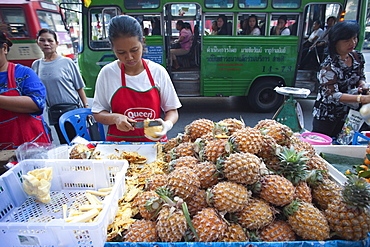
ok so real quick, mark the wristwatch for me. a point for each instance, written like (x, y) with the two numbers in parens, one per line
(87, 104)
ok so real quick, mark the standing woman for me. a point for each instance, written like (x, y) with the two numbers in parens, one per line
(132, 89)
(62, 80)
(22, 101)
(341, 79)
(252, 27)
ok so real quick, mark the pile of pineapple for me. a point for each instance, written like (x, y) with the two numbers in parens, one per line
(226, 182)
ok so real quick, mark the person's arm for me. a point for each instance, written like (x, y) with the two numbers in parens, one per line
(20, 104)
(82, 94)
(171, 115)
(122, 122)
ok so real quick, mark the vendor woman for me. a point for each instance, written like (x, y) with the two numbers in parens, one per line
(131, 88)
(22, 101)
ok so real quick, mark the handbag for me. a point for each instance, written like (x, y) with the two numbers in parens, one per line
(175, 46)
(93, 129)
(57, 110)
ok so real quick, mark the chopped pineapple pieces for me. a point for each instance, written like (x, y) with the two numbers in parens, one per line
(37, 183)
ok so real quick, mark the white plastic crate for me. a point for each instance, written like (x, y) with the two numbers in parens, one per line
(25, 222)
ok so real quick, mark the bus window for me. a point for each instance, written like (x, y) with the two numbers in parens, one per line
(252, 4)
(217, 4)
(226, 19)
(15, 21)
(352, 10)
(286, 4)
(141, 4)
(99, 19)
(243, 22)
(51, 21)
(289, 24)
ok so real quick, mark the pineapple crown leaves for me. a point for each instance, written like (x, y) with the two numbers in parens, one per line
(293, 165)
(166, 195)
(292, 208)
(315, 177)
(188, 219)
(220, 129)
(356, 192)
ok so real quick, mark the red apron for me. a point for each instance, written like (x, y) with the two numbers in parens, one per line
(18, 128)
(136, 105)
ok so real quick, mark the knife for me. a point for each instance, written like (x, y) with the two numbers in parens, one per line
(140, 124)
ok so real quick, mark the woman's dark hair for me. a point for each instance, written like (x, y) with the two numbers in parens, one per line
(4, 40)
(318, 22)
(45, 30)
(181, 24)
(284, 18)
(124, 26)
(249, 29)
(223, 29)
(341, 31)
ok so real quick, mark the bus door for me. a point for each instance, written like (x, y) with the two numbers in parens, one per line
(309, 60)
(187, 79)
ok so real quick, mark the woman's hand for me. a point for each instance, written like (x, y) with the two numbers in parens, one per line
(123, 123)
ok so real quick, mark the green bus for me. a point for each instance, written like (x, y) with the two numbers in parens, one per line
(218, 65)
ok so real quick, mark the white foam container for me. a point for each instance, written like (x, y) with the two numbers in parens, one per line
(26, 222)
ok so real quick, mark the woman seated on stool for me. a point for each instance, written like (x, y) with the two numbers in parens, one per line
(185, 40)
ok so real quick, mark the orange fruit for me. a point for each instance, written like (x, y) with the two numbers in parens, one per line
(367, 161)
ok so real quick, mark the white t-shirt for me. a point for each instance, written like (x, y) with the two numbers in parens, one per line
(109, 80)
(315, 33)
(256, 31)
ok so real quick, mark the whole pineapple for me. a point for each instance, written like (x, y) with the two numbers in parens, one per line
(207, 174)
(280, 132)
(318, 163)
(242, 168)
(246, 140)
(171, 224)
(229, 196)
(276, 190)
(277, 231)
(183, 182)
(144, 203)
(199, 127)
(256, 215)
(182, 150)
(214, 150)
(234, 233)
(349, 217)
(307, 221)
(300, 145)
(184, 161)
(142, 231)
(156, 181)
(227, 127)
(269, 151)
(324, 190)
(208, 225)
(197, 202)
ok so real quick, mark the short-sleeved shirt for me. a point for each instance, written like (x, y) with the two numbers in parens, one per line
(336, 78)
(187, 41)
(28, 84)
(315, 33)
(61, 78)
(109, 80)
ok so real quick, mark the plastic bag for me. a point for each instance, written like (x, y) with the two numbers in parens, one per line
(40, 151)
(352, 124)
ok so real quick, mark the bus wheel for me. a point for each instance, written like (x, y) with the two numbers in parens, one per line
(263, 98)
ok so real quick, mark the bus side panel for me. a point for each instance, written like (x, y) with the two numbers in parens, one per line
(229, 64)
(92, 69)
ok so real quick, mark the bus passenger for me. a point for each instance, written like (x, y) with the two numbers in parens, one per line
(340, 80)
(132, 89)
(252, 26)
(22, 101)
(62, 79)
(156, 25)
(280, 28)
(185, 41)
(308, 57)
(222, 26)
(323, 40)
(214, 28)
